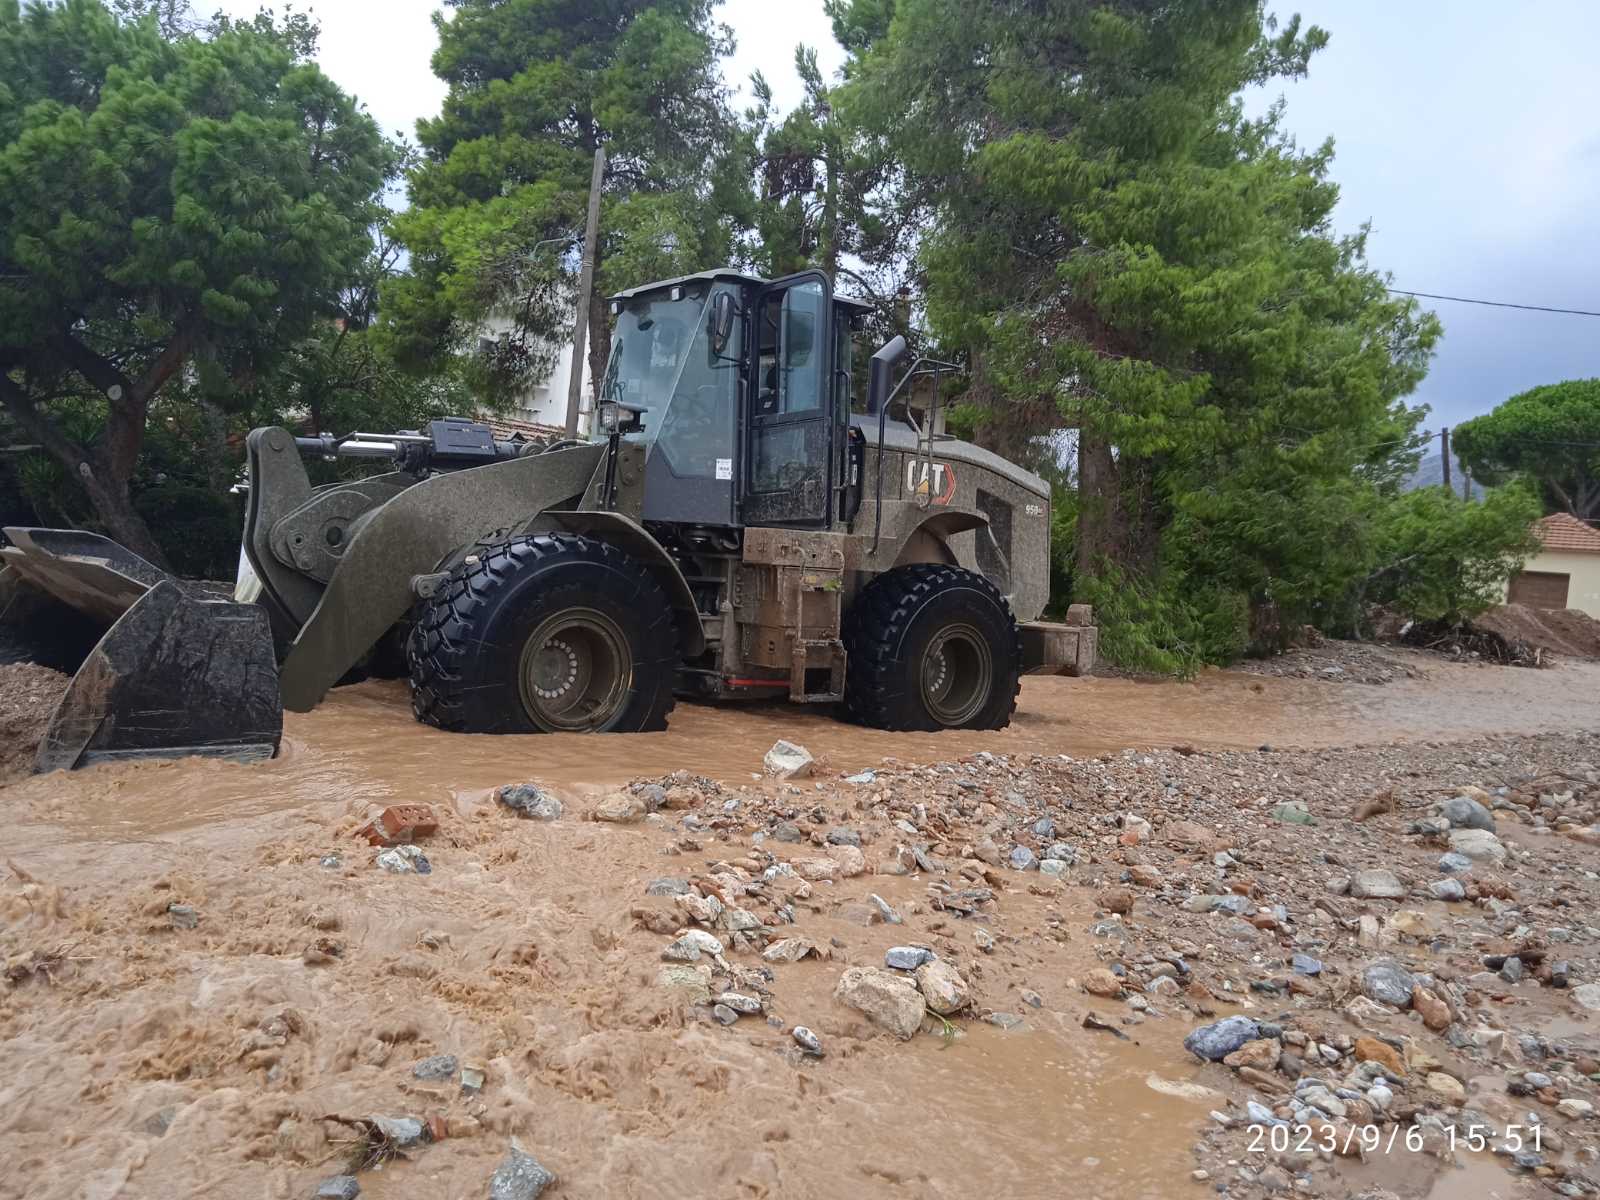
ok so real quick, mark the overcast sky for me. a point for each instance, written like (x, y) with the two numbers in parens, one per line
(1468, 136)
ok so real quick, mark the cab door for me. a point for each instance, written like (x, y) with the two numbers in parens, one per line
(790, 422)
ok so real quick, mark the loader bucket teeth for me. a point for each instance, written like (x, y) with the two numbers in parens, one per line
(173, 676)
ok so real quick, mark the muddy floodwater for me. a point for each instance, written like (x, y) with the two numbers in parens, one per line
(363, 740)
(154, 1060)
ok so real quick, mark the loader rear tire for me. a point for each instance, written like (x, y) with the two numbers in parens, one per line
(551, 633)
(931, 647)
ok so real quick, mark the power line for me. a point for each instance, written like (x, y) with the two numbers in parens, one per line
(1575, 312)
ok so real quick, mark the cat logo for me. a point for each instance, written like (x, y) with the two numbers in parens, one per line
(936, 481)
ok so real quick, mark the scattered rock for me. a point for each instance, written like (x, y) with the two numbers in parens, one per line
(1022, 859)
(436, 1067)
(1376, 885)
(748, 1006)
(667, 887)
(907, 958)
(1305, 964)
(339, 1187)
(942, 987)
(889, 1001)
(529, 800)
(723, 1015)
(1587, 996)
(1447, 1088)
(1449, 890)
(1434, 1011)
(1101, 982)
(519, 1177)
(787, 761)
(1388, 983)
(620, 808)
(1478, 845)
(1463, 812)
(404, 860)
(183, 916)
(1372, 1050)
(1454, 864)
(691, 984)
(1116, 900)
(1216, 1041)
(807, 1041)
(884, 909)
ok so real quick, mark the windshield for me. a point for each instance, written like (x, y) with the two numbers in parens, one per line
(662, 363)
(649, 350)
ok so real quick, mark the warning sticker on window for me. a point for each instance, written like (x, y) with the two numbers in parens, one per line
(724, 469)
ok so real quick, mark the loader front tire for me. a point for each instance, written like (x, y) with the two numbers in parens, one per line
(546, 633)
(931, 647)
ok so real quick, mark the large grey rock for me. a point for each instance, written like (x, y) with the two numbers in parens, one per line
(519, 1177)
(1388, 983)
(529, 800)
(787, 761)
(1477, 844)
(906, 958)
(1377, 885)
(1447, 889)
(807, 1041)
(339, 1187)
(436, 1067)
(1463, 812)
(1587, 996)
(888, 1000)
(1216, 1041)
(401, 1131)
(1022, 859)
(1061, 852)
(1453, 863)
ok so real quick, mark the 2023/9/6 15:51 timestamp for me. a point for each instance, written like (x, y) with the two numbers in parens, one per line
(1284, 1138)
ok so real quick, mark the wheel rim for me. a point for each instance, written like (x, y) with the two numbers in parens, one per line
(576, 671)
(957, 671)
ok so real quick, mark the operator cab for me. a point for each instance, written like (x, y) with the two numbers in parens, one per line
(739, 388)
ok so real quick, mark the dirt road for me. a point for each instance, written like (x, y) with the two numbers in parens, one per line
(142, 1056)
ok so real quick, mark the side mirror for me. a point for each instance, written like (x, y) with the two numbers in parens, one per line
(723, 314)
(880, 371)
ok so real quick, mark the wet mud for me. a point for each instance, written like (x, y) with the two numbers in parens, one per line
(145, 1059)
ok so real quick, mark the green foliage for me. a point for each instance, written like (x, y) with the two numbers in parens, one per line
(495, 226)
(1441, 558)
(1550, 434)
(171, 201)
(1123, 252)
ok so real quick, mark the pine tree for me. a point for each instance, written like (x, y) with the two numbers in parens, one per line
(167, 200)
(496, 219)
(1120, 250)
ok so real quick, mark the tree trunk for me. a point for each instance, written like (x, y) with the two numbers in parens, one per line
(1117, 525)
(122, 523)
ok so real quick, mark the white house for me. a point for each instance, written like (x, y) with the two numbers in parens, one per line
(1566, 572)
(541, 411)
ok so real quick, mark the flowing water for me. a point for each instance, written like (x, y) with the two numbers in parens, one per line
(309, 991)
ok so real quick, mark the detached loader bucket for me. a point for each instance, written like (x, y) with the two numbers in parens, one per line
(174, 675)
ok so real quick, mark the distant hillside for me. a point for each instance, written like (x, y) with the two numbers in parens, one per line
(1430, 473)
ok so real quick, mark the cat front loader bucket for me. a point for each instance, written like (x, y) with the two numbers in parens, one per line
(175, 673)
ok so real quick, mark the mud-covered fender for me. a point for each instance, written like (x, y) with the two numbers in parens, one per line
(410, 535)
(940, 527)
(634, 539)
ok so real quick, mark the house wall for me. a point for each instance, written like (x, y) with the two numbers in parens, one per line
(545, 403)
(1583, 590)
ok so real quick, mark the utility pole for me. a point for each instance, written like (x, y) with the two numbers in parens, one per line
(580, 332)
(1444, 450)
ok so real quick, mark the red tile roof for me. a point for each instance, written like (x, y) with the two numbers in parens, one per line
(1563, 531)
(508, 428)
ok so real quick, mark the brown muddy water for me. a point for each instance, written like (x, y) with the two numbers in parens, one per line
(199, 1063)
